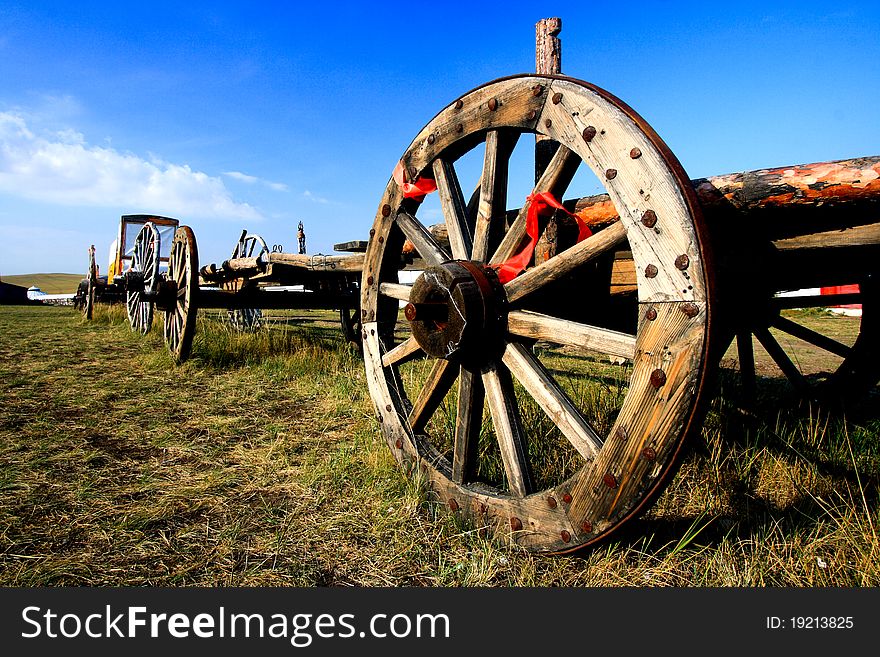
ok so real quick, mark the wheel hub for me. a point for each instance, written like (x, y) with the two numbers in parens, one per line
(457, 311)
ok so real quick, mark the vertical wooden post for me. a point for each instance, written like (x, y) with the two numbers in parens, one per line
(548, 47)
(548, 61)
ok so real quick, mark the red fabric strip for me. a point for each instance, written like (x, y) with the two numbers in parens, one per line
(540, 204)
(418, 189)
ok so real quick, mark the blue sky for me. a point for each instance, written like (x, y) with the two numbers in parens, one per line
(232, 115)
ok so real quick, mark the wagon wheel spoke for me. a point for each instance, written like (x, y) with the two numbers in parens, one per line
(492, 191)
(438, 383)
(566, 262)
(506, 419)
(811, 336)
(777, 353)
(528, 324)
(395, 291)
(746, 354)
(816, 300)
(422, 239)
(468, 422)
(555, 179)
(454, 209)
(402, 353)
(538, 382)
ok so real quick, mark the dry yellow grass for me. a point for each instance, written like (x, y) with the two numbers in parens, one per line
(258, 463)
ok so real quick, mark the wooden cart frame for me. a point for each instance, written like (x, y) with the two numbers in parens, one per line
(660, 272)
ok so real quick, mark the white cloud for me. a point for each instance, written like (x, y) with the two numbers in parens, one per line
(63, 168)
(315, 199)
(250, 180)
(243, 177)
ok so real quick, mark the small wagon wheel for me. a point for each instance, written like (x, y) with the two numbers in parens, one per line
(183, 268)
(846, 370)
(246, 319)
(350, 321)
(143, 276)
(520, 444)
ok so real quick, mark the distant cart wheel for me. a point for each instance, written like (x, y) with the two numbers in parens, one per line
(550, 449)
(246, 319)
(847, 370)
(350, 320)
(143, 276)
(183, 277)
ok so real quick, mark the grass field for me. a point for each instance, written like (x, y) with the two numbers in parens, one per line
(258, 463)
(48, 283)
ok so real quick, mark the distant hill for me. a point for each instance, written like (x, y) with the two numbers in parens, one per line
(48, 283)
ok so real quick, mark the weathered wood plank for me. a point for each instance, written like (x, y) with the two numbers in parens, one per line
(458, 126)
(640, 176)
(831, 239)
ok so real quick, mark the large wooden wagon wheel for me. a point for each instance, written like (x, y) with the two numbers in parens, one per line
(143, 276)
(510, 434)
(183, 279)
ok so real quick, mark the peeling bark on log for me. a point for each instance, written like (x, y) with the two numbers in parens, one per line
(783, 203)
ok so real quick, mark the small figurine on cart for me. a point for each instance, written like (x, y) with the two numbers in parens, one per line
(301, 236)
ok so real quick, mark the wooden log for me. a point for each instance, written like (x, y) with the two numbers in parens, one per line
(823, 205)
(242, 264)
(829, 239)
(352, 246)
(319, 262)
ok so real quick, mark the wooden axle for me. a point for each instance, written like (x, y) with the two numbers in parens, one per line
(247, 267)
(210, 298)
